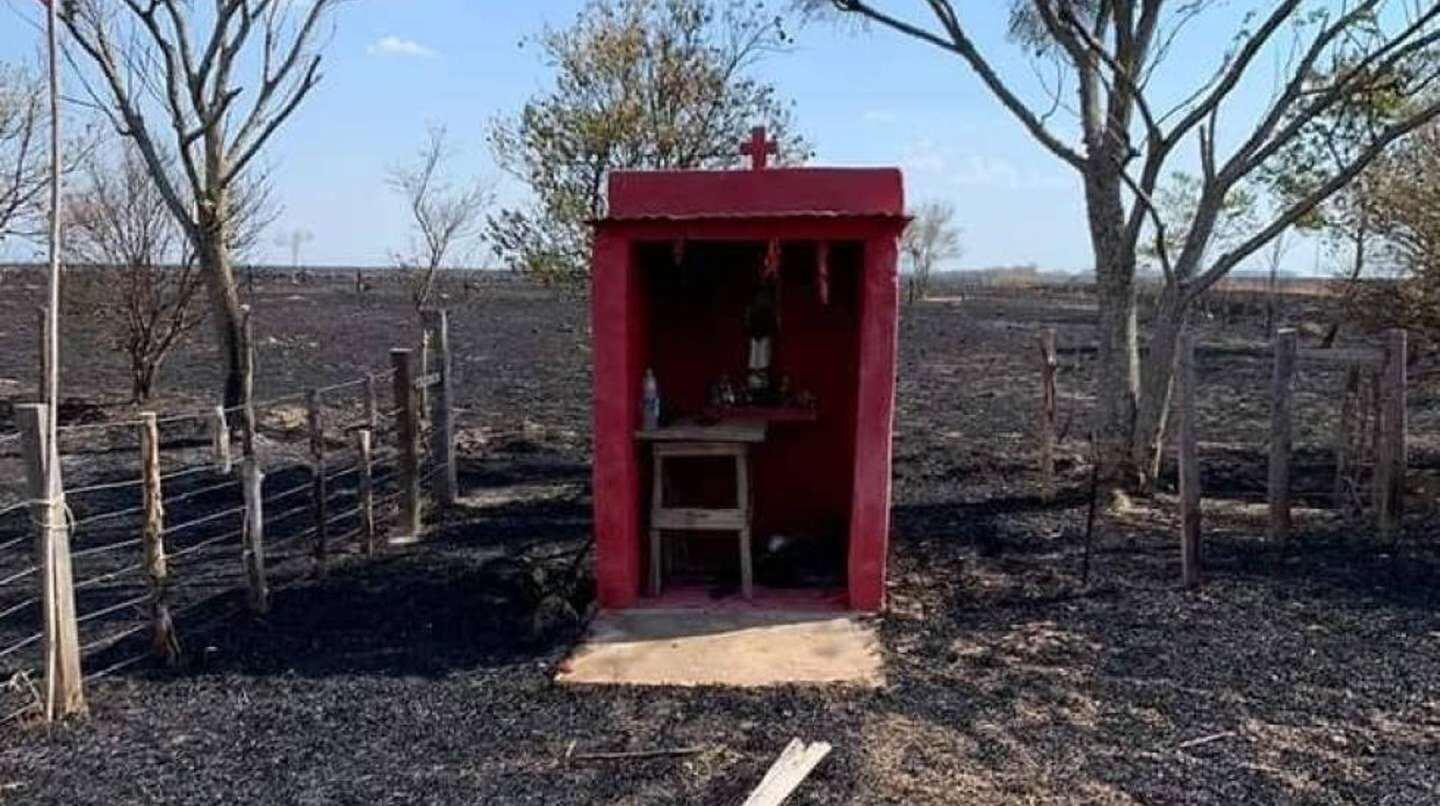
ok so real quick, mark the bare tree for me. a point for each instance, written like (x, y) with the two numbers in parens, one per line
(1131, 133)
(444, 213)
(23, 176)
(168, 74)
(25, 154)
(132, 271)
(931, 239)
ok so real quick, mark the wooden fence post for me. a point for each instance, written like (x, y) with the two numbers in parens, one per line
(443, 434)
(1346, 456)
(366, 490)
(1048, 366)
(1189, 458)
(257, 590)
(220, 441)
(1281, 437)
(64, 686)
(163, 641)
(372, 405)
(1390, 460)
(316, 417)
(407, 435)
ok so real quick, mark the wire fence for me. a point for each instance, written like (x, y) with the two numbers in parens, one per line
(310, 494)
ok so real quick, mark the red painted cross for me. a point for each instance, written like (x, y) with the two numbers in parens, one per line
(758, 149)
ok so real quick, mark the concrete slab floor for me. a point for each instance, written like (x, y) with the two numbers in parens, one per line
(685, 647)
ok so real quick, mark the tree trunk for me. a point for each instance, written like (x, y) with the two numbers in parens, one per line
(1117, 352)
(225, 309)
(212, 246)
(142, 380)
(1157, 384)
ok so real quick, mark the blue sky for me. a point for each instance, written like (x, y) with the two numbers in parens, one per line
(863, 97)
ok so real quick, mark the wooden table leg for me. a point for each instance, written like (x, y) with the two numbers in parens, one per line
(657, 493)
(742, 493)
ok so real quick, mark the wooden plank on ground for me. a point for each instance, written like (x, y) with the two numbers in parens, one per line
(788, 772)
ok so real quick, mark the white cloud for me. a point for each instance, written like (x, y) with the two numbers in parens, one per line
(395, 46)
(958, 168)
(878, 116)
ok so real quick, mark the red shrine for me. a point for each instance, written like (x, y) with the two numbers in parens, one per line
(744, 345)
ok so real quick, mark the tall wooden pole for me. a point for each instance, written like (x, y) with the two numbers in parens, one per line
(65, 691)
(43, 382)
(52, 346)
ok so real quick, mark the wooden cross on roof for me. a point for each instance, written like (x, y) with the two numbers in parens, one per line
(758, 148)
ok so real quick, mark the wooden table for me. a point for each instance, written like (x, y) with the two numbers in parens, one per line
(731, 438)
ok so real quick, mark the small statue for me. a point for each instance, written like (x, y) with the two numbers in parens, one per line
(725, 393)
(761, 324)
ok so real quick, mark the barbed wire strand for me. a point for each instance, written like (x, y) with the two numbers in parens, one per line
(188, 550)
(15, 507)
(270, 499)
(106, 643)
(105, 611)
(24, 642)
(94, 488)
(189, 471)
(75, 555)
(17, 608)
(202, 491)
(109, 575)
(18, 576)
(214, 516)
(105, 516)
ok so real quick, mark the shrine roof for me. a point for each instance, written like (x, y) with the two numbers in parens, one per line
(756, 193)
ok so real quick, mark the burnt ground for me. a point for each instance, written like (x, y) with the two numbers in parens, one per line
(1298, 674)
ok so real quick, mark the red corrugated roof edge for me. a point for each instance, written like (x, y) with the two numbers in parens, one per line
(768, 193)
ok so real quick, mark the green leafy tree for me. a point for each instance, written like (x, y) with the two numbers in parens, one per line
(638, 84)
(1177, 202)
(1331, 140)
(1402, 206)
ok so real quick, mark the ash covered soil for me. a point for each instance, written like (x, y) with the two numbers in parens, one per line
(1309, 673)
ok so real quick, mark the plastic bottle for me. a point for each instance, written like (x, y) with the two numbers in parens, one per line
(652, 401)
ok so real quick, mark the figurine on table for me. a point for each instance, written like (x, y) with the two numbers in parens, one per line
(761, 325)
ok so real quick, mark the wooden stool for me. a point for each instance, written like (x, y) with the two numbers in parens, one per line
(693, 442)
